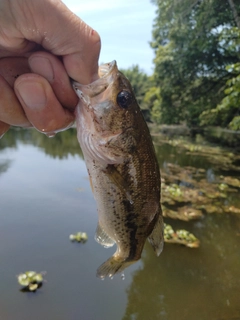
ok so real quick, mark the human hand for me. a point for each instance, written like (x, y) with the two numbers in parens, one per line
(42, 44)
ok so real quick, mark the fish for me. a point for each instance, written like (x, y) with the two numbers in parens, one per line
(122, 167)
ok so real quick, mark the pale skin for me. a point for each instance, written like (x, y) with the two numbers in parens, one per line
(42, 46)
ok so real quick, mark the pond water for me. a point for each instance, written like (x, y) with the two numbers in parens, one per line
(45, 196)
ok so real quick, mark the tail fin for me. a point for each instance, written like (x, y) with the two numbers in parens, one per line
(156, 238)
(112, 266)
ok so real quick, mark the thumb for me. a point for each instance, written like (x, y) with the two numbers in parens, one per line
(52, 25)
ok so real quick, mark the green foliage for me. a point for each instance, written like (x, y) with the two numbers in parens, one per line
(140, 82)
(235, 123)
(193, 41)
(153, 99)
(227, 111)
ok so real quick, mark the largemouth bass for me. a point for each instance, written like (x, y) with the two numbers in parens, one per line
(122, 168)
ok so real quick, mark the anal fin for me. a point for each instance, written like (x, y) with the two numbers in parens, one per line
(103, 238)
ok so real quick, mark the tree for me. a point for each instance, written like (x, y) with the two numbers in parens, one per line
(140, 82)
(191, 56)
(227, 113)
(152, 99)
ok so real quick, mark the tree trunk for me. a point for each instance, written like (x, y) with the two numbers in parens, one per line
(235, 14)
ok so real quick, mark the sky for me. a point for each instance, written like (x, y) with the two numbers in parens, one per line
(125, 28)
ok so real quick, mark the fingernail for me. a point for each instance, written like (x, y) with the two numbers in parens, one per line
(32, 94)
(42, 66)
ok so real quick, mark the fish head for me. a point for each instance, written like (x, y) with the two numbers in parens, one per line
(109, 102)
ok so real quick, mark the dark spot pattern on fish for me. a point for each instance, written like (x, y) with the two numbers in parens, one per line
(127, 187)
(132, 227)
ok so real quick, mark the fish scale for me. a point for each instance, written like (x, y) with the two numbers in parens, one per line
(122, 167)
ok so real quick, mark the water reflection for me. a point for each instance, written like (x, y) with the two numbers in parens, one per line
(63, 144)
(202, 284)
(4, 165)
(190, 284)
(210, 175)
(41, 205)
(9, 140)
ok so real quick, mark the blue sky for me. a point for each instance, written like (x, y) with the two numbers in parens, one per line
(125, 27)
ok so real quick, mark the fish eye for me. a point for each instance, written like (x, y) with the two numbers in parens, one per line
(124, 99)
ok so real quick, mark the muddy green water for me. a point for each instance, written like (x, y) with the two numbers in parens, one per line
(45, 196)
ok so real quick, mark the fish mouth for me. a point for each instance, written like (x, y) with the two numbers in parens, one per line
(106, 68)
(107, 73)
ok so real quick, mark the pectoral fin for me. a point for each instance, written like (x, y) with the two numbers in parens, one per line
(118, 180)
(103, 238)
(156, 238)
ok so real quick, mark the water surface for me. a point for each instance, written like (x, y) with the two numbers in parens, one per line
(45, 196)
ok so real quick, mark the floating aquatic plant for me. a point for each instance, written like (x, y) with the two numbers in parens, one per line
(185, 213)
(222, 158)
(30, 280)
(187, 194)
(180, 237)
(79, 237)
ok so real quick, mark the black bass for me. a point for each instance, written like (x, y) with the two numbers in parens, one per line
(122, 168)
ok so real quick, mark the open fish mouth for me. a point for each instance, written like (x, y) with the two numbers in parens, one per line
(107, 73)
(106, 68)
